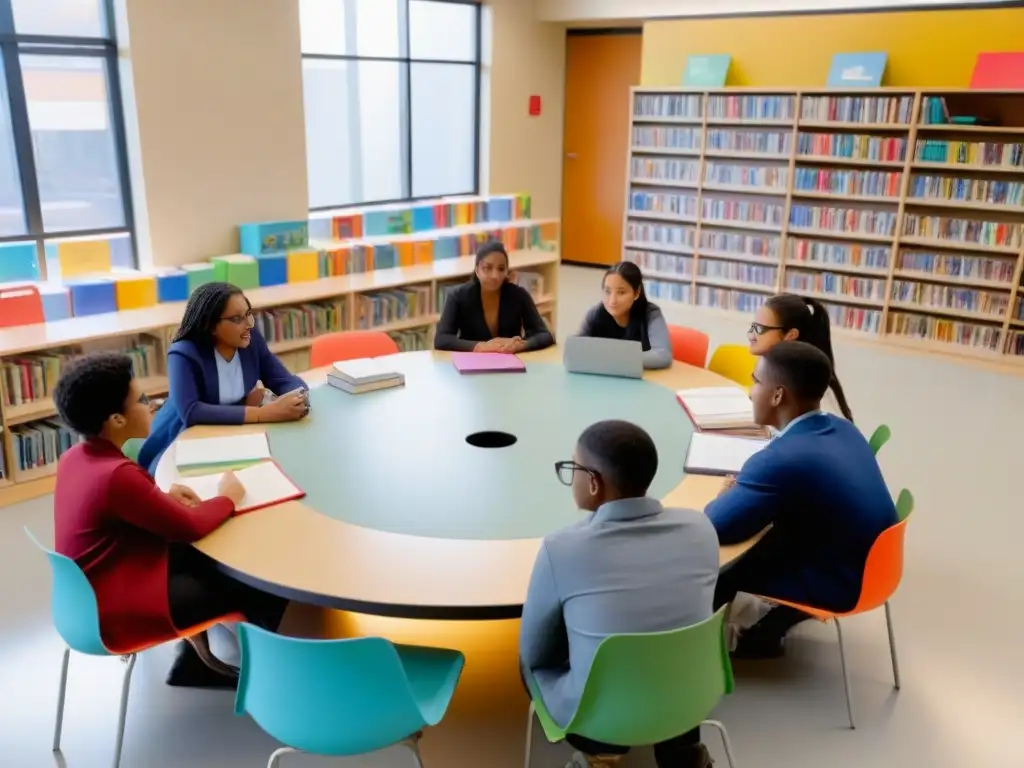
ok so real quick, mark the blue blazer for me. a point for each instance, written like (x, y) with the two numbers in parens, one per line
(195, 391)
(819, 486)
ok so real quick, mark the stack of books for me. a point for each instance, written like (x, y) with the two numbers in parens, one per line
(364, 375)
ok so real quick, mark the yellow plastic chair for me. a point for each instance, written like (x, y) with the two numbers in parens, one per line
(734, 362)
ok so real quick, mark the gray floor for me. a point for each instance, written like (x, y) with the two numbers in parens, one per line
(959, 617)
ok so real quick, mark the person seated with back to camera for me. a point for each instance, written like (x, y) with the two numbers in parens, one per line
(213, 365)
(630, 566)
(490, 313)
(132, 540)
(625, 313)
(818, 486)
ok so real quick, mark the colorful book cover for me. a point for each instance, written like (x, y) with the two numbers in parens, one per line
(707, 71)
(857, 70)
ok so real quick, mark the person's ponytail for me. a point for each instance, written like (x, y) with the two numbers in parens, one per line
(820, 335)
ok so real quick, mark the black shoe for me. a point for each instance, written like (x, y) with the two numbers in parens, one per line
(189, 671)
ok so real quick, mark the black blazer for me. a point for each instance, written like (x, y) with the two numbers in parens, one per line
(462, 325)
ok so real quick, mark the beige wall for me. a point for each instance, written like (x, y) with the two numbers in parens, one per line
(528, 57)
(218, 135)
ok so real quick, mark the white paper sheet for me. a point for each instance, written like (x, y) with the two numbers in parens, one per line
(719, 454)
(231, 449)
(264, 484)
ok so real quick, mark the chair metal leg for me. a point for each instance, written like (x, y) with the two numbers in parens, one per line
(720, 727)
(529, 735)
(126, 683)
(892, 646)
(413, 745)
(61, 691)
(846, 674)
(275, 757)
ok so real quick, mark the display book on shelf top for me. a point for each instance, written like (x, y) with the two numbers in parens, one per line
(906, 226)
(31, 355)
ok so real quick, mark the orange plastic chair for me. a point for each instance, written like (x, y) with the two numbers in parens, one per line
(734, 362)
(20, 305)
(76, 618)
(882, 574)
(689, 345)
(350, 345)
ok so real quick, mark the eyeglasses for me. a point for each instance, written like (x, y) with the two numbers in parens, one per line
(247, 318)
(567, 469)
(759, 329)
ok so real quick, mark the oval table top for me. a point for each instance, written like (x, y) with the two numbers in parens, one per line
(410, 520)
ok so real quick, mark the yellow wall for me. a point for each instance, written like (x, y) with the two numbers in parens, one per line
(925, 48)
(214, 107)
(528, 58)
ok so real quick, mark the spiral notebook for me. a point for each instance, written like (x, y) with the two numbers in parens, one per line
(265, 485)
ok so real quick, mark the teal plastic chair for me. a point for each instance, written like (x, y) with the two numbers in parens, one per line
(77, 620)
(131, 449)
(879, 438)
(647, 688)
(343, 698)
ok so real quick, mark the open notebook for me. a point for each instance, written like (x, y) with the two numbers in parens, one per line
(265, 485)
(229, 452)
(711, 454)
(718, 407)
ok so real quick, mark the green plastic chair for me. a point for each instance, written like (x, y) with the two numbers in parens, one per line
(879, 438)
(647, 688)
(342, 698)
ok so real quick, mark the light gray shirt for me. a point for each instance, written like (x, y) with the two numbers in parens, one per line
(631, 566)
(230, 378)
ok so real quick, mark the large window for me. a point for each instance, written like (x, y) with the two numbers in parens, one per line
(63, 169)
(392, 99)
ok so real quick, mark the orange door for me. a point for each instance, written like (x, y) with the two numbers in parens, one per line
(600, 68)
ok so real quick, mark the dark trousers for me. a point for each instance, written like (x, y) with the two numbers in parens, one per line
(668, 754)
(751, 574)
(198, 593)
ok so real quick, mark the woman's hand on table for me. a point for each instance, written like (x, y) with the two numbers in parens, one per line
(290, 407)
(231, 488)
(494, 345)
(184, 495)
(508, 346)
(255, 398)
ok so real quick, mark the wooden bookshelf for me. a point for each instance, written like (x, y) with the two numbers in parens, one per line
(909, 230)
(537, 270)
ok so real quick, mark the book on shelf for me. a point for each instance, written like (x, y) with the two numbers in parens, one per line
(846, 146)
(304, 321)
(718, 408)
(930, 328)
(411, 339)
(770, 143)
(924, 187)
(991, 154)
(854, 220)
(383, 307)
(681, 105)
(751, 107)
(880, 184)
(655, 137)
(40, 443)
(968, 231)
(894, 110)
(717, 454)
(265, 484)
(956, 266)
(364, 375)
(828, 253)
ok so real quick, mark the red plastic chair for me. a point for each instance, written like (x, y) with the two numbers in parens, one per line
(76, 618)
(689, 345)
(21, 305)
(350, 345)
(882, 574)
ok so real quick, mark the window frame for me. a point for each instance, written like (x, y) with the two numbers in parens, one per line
(405, 63)
(12, 46)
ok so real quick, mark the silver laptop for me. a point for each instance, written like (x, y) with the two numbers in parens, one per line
(604, 357)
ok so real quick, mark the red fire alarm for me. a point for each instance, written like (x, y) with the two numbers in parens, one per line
(534, 105)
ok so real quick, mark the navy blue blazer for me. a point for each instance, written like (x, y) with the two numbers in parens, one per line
(195, 391)
(820, 488)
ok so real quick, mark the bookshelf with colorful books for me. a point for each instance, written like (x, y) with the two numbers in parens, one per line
(902, 210)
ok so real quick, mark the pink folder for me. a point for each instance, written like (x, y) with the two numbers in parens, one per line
(487, 362)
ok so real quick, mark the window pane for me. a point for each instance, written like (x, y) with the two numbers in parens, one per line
(75, 151)
(442, 30)
(72, 18)
(353, 131)
(443, 126)
(12, 209)
(350, 27)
